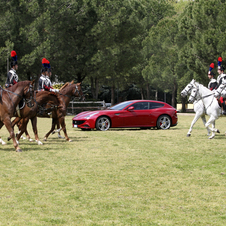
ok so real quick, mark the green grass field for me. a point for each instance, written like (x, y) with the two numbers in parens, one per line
(117, 177)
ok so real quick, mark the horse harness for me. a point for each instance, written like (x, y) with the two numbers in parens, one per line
(23, 101)
(69, 96)
(203, 97)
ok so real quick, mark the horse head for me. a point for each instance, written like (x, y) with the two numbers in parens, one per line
(193, 95)
(28, 94)
(188, 88)
(71, 89)
(78, 91)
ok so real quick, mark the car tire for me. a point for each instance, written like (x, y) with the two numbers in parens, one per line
(103, 123)
(164, 122)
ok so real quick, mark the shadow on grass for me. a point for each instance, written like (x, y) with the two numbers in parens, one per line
(26, 145)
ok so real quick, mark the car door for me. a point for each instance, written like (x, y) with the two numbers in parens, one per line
(137, 115)
(154, 112)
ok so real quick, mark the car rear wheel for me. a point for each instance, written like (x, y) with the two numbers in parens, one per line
(164, 122)
(103, 123)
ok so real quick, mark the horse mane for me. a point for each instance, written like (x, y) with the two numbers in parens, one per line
(205, 88)
(14, 87)
(66, 84)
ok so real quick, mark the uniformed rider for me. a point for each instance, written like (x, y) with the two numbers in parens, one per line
(44, 80)
(213, 82)
(12, 77)
(220, 92)
(220, 71)
(221, 81)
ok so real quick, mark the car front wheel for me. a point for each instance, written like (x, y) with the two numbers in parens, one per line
(164, 122)
(103, 123)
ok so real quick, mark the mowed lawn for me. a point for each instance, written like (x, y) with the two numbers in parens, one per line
(117, 177)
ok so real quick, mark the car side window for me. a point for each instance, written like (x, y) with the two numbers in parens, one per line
(153, 105)
(140, 106)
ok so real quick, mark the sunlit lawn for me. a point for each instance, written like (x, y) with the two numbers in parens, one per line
(118, 177)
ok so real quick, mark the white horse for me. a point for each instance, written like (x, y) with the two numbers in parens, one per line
(198, 108)
(204, 103)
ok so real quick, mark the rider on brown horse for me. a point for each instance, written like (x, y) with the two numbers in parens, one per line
(12, 77)
(44, 81)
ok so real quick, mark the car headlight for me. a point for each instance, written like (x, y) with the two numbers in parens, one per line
(88, 116)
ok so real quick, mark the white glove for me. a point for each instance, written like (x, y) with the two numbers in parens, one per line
(56, 90)
(216, 94)
(52, 90)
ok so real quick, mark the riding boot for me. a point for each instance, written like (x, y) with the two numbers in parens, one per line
(224, 108)
(219, 103)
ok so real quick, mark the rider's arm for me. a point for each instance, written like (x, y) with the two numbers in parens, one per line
(47, 88)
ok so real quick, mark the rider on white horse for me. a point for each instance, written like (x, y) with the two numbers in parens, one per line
(220, 92)
(213, 82)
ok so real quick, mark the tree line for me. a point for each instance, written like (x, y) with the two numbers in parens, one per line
(155, 45)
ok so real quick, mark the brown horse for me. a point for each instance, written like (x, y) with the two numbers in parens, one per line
(44, 102)
(9, 100)
(55, 108)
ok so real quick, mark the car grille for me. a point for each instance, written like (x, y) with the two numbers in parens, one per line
(76, 122)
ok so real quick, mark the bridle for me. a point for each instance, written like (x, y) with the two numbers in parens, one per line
(81, 96)
(193, 97)
(29, 100)
(187, 89)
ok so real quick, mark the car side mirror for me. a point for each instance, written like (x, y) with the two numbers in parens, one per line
(130, 108)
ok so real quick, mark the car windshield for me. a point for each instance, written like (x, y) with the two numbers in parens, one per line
(121, 105)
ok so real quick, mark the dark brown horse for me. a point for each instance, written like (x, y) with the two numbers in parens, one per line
(9, 100)
(54, 108)
(45, 102)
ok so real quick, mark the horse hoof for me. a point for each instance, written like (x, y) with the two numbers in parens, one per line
(70, 140)
(188, 135)
(3, 143)
(19, 150)
(211, 137)
(45, 139)
(9, 138)
(218, 131)
(39, 142)
(30, 140)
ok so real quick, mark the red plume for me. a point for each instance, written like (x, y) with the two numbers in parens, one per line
(44, 61)
(13, 53)
(220, 59)
(212, 65)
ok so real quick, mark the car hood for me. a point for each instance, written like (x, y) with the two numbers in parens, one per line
(91, 113)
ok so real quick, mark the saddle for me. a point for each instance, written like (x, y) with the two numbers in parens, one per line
(20, 106)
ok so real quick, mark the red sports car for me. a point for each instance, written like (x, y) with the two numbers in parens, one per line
(133, 113)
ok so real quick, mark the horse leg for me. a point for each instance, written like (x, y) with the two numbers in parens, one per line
(34, 126)
(54, 122)
(63, 125)
(1, 141)
(204, 122)
(23, 128)
(197, 116)
(8, 125)
(14, 122)
(213, 129)
(58, 130)
(20, 124)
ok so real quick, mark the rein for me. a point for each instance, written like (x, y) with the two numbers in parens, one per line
(76, 91)
(27, 101)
